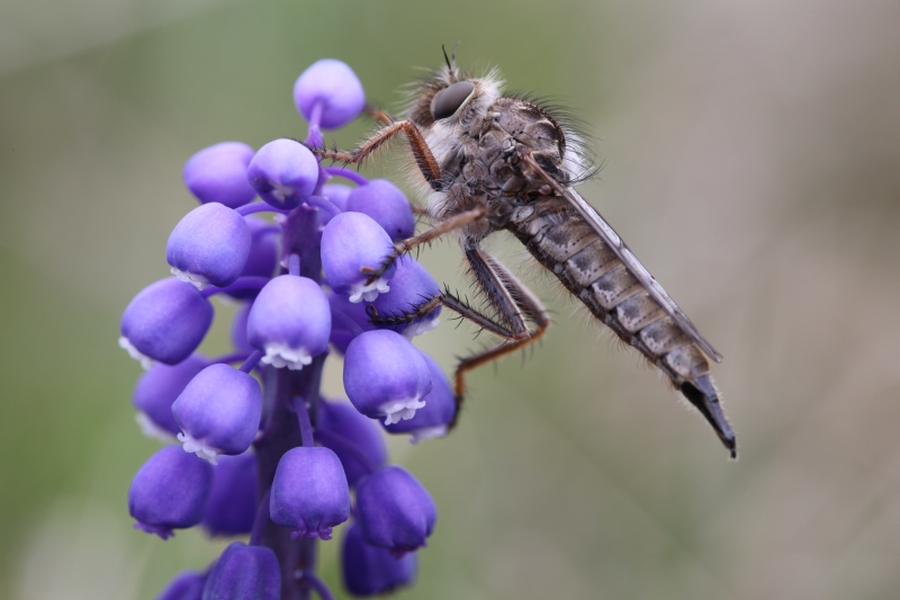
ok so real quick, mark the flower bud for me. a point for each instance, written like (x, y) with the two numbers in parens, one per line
(335, 87)
(209, 245)
(219, 174)
(386, 204)
(353, 247)
(166, 321)
(283, 173)
(218, 412)
(157, 389)
(187, 585)
(309, 492)
(385, 376)
(434, 419)
(291, 321)
(244, 573)
(371, 571)
(341, 424)
(411, 286)
(169, 491)
(394, 510)
(231, 508)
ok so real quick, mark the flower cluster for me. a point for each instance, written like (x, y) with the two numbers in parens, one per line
(262, 453)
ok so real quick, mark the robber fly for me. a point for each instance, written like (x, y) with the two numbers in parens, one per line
(490, 162)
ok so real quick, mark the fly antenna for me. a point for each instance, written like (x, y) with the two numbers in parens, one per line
(446, 58)
(450, 60)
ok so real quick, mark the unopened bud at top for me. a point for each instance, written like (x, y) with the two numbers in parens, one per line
(335, 88)
(219, 174)
(284, 173)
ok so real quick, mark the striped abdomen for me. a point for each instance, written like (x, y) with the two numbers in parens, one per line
(566, 244)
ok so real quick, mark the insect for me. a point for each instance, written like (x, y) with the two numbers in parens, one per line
(489, 162)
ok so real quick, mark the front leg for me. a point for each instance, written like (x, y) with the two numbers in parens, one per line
(421, 152)
(449, 224)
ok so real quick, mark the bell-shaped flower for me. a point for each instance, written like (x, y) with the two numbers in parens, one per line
(157, 389)
(330, 87)
(231, 508)
(394, 510)
(348, 320)
(386, 204)
(218, 412)
(219, 174)
(169, 491)
(187, 585)
(354, 247)
(166, 321)
(244, 573)
(284, 173)
(385, 376)
(209, 245)
(263, 256)
(354, 437)
(372, 571)
(411, 287)
(291, 321)
(310, 493)
(439, 412)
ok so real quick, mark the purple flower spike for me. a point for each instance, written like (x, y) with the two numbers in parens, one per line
(339, 425)
(372, 571)
(411, 287)
(291, 321)
(209, 245)
(335, 87)
(169, 492)
(166, 321)
(353, 247)
(439, 412)
(244, 573)
(218, 412)
(384, 202)
(157, 389)
(284, 173)
(394, 510)
(310, 493)
(385, 376)
(187, 585)
(219, 174)
(231, 507)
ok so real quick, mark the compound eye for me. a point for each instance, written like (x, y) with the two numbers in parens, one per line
(447, 102)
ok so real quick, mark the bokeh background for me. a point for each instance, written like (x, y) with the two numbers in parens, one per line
(751, 161)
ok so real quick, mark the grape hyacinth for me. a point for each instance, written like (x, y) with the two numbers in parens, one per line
(262, 454)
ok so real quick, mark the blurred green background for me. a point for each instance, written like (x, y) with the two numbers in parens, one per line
(752, 163)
